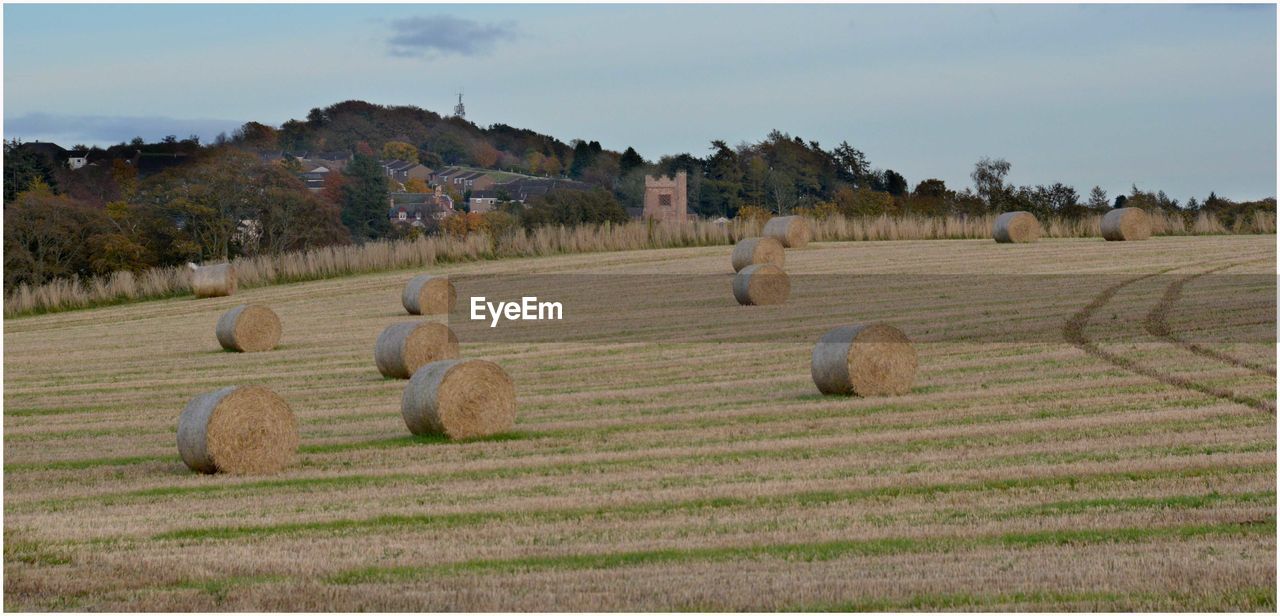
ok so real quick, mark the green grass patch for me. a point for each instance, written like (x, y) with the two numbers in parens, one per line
(800, 499)
(30, 552)
(1185, 501)
(84, 463)
(412, 441)
(1258, 598)
(807, 552)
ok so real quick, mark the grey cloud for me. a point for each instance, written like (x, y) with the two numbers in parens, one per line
(445, 34)
(108, 130)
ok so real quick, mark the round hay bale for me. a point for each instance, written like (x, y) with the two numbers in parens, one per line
(756, 250)
(1126, 224)
(1016, 228)
(249, 328)
(459, 398)
(238, 430)
(404, 347)
(214, 280)
(792, 231)
(428, 294)
(760, 285)
(864, 360)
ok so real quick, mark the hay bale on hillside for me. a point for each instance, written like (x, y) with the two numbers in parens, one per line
(1016, 228)
(459, 398)
(791, 231)
(249, 328)
(404, 347)
(429, 294)
(239, 430)
(1126, 224)
(756, 250)
(761, 285)
(214, 280)
(864, 360)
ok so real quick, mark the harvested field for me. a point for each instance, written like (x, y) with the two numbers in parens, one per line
(1100, 441)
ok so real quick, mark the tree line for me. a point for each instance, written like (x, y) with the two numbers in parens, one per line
(227, 199)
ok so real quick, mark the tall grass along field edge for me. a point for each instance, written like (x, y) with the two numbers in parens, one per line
(337, 261)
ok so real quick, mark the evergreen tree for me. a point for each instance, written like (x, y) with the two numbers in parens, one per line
(631, 159)
(582, 158)
(23, 168)
(365, 199)
(894, 183)
(1098, 199)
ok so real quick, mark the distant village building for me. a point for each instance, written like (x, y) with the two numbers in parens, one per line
(334, 161)
(519, 190)
(482, 201)
(51, 151)
(314, 174)
(77, 159)
(418, 208)
(666, 198)
(462, 180)
(403, 170)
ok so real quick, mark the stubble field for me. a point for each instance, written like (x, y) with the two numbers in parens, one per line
(1092, 427)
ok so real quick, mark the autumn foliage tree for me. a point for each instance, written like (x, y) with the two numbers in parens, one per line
(416, 185)
(399, 150)
(48, 236)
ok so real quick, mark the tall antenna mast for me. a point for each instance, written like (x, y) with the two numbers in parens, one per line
(458, 110)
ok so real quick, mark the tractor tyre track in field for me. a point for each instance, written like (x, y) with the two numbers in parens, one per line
(1157, 324)
(1074, 332)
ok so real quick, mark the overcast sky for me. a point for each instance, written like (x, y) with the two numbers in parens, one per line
(1177, 97)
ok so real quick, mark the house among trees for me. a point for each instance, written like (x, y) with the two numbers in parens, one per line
(404, 170)
(52, 152)
(519, 190)
(524, 189)
(475, 180)
(482, 201)
(314, 174)
(462, 180)
(77, 159)
(334, 160)
(418, 208)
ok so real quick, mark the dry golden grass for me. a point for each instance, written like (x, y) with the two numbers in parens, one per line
(338, 261)
(675, 465)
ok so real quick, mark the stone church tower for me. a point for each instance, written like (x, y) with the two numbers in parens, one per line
(666, 198)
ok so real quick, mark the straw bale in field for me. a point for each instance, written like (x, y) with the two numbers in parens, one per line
(459, 398)
(1016, 228)
(249, 328)
(761, 285)
(755, 250)
(429, 294)
(238, 430)
(404, 347)
(1126, 224)
(791, 231)
(214, 280)
(864, 360)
